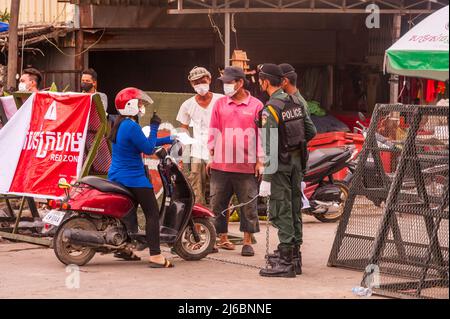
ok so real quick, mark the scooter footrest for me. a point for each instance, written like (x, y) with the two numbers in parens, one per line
(167, 235)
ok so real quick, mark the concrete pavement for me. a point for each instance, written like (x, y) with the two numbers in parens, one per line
(28, 271)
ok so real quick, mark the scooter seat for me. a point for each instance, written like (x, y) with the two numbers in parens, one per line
(106, 186)
(320, 156)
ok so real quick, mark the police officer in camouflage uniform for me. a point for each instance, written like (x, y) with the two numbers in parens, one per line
(287, 114)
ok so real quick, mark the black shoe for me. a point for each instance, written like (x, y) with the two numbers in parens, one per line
(247, 251)
(297, 262)
(283, 266)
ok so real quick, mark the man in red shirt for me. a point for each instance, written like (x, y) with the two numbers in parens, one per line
(236, 157)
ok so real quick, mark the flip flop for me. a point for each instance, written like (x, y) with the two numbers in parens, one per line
(226, 245)
(126, 256)
(167, 264)
(196, 246)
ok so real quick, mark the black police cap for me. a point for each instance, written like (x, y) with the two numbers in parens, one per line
(269, 69)
(287, 69)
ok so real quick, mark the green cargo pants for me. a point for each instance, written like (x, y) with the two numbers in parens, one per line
(285, 206)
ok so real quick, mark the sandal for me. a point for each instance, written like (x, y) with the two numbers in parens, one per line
(167, 264)
(127, 256)
(226, 245)
(196, 246)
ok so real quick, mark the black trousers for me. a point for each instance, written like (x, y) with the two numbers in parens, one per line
(146, 198)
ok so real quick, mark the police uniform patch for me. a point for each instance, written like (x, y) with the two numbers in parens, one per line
(264, 117)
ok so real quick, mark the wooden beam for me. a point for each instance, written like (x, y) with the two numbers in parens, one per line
(296, 10)
(79, 56)
(13, 45)
(28, 239)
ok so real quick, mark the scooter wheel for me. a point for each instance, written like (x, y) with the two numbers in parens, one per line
(187, 248)
(336, 216)
(73, 254)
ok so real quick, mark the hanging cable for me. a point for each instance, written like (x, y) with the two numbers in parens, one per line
(233, 28)
(216, 28)
(82, 52)
(113, 18)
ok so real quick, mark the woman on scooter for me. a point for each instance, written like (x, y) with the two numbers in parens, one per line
(127, 168)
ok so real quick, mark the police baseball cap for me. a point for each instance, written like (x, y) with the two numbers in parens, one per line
(270, 70)
(287, 69)
(198, 72)
(232, 73)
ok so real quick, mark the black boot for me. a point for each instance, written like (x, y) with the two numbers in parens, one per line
(297, 259)
(283, 267)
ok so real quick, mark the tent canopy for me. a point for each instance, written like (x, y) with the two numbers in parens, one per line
(423, 51)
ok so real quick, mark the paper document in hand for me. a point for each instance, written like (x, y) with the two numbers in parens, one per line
(185, 139)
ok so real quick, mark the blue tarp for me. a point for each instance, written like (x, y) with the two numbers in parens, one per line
(4, 27)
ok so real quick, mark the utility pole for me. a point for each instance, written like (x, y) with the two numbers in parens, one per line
(393, 81)
(13, 44)
(227, 36)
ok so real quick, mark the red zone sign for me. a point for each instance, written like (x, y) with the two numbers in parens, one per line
(54, 144)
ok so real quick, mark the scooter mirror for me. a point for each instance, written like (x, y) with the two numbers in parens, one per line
(63, 184)
(176, 150)
(361, 116)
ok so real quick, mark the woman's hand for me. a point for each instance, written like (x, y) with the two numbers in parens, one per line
(155, 120)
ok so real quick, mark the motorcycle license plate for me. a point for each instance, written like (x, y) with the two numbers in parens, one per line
(54, 217)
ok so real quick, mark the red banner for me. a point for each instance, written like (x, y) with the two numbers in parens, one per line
(54, 144)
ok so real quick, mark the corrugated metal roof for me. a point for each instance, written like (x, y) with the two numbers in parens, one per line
(158, 3)
(42, 11)
(34, 34)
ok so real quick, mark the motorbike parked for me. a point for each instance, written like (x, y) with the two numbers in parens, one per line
(99, 216)
(326, 195)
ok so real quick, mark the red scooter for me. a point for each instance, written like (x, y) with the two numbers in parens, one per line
(97, 215)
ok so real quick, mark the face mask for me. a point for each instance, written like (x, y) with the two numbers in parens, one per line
(261, 86)
(202, 89)
(86, 87)
(229, 90)
(23, 86)
(141, 112)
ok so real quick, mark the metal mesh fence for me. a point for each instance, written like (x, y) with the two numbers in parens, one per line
(396, 217)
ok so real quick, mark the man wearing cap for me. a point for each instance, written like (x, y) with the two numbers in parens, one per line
(289, 85)
(196, 112)
(30, 80)
(236, 157)
(287, 114)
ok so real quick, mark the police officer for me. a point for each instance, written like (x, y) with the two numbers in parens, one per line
(287, 114)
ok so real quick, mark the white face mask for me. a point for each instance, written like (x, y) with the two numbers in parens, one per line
(23, 86)
(141, 112)
(202, 89)
(229, 90)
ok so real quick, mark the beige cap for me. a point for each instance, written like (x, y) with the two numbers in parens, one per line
(197, 73)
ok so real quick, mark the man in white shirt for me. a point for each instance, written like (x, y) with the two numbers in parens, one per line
(196, 112)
